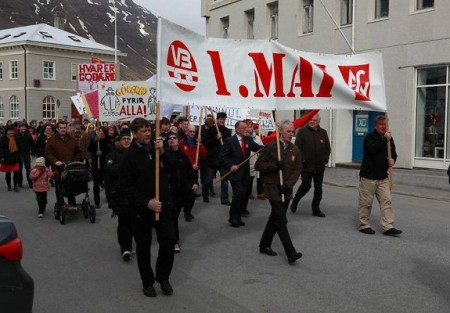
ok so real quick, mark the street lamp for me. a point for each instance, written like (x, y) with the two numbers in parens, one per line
(115, 40)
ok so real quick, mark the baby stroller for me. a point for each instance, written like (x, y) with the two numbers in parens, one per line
(72, 182)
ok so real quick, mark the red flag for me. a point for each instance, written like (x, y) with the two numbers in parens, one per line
(303, 120)
(96, 60)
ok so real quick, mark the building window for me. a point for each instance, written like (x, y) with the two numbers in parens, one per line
(48, 108)
(250, 14)
(49, 70)
(1, 70)
(432, 99)
(74, 72)
(381, 8)
(308, 15)
(2, 110)
(273, 12)
(425, 4)
(14, 107)
(225, 23)
(346, 12)
(13, 69)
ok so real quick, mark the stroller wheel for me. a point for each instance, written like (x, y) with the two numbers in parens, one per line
(85, 207)
(62, 217)
(92, 214)
(56, 211)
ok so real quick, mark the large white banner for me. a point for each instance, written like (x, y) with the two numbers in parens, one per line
(266, 75)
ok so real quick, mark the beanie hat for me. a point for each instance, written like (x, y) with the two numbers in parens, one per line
(40, 161)
(124, 132)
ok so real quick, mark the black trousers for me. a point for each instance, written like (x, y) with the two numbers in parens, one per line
(306, 186)
(165, 234)
(25, 160)
(240, 199)
(41, 198)
(277, 224)
(97, 177)
(183, 200)
(125, 232)
(16, 176)
(260, 184)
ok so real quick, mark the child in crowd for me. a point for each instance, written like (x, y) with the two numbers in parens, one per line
(40, 175)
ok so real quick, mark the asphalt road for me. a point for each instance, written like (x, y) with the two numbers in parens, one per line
(77, 266)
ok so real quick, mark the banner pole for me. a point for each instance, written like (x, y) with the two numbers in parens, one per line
(98, 144)
(389, 151)
(199, 137)
(157, 156)
(279, 152)
(215, 124)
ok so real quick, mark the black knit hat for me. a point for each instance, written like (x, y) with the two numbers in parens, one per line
(123, 133)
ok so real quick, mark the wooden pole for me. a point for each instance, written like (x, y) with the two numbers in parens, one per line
(199, 136)
(98, 143)
(157, 157)
(217, 126)
(279, 152)
(239, 165)
(391, 170)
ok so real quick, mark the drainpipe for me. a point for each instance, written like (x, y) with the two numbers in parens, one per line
(26, 80)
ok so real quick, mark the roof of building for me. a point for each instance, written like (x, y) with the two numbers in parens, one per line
(43, 34)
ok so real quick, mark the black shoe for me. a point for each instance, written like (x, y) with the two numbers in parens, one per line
(368, 231)
(212, 193)
(166, 287)
(197, 195)
(188, 217)
(226, 202)
(16, 189)
(294, 206)
(205, 199)
(234, 223)
(30, 185)
(20, 185)
(245, 213)
(392, 232)
(149, 291)
(268, 251)
(318, 213)
(294, 258)
(241, 223)
(9, 189)
(126, 256)
(97, 206)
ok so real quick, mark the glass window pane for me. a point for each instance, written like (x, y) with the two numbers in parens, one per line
(431, 76)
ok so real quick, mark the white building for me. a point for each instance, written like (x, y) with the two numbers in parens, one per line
(38, 67)
(413, 37)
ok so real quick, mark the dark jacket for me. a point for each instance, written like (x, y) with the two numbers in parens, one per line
(267, 165)
(116, 200)
(24, 142)
(180, 172)
(41, 142)
(231, 154)
(137, 179)
(64, 150)
(5, 155)
(212, 144)
(105, 148)
(375, 163)
(314, 147)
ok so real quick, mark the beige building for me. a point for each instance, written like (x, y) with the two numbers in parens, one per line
(413, 37)
(38, 70)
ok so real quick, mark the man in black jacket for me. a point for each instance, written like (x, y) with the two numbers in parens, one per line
(374, 179)
(137, 182)
(24, 143)
(314, 146)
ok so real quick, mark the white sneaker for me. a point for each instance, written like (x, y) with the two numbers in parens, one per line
(40, 215)
(177, 248)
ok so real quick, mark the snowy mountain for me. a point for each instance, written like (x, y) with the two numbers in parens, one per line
(94, 19)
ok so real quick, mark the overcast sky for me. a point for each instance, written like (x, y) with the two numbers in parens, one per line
(186, 13)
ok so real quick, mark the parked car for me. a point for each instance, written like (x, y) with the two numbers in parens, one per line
(16, 286)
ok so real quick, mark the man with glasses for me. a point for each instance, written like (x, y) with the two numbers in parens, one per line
(314, 145)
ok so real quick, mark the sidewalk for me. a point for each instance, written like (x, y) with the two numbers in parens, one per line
(422, 183)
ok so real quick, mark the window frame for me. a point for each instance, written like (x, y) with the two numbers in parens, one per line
(1, 70)
(378, 14)
(225, 24)
(2, 108)
(16, 109)
(14, 69)
(48, 108)
(48, 73)
(74, 72)
(274, 20)
(308, 17)
(347, 8)
(250, 15)
(420, 5)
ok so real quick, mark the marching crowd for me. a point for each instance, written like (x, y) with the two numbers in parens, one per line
(123, 158)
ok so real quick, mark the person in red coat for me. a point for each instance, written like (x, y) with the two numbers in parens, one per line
(189, 147)
(40, 175)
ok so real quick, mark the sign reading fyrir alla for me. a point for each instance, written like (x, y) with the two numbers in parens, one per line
(126, 100)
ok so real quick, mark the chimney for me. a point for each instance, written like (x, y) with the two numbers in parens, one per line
(59, 20)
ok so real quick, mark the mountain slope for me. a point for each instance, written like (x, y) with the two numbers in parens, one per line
(94, 19)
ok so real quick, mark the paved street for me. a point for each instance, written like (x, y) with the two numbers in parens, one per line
(77, 267)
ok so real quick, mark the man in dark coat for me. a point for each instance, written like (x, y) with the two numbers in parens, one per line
(314, 146)
(116, 200)
(374, 179)
(291, 166)
(25, 144)
(235, 150)
(137, 182)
